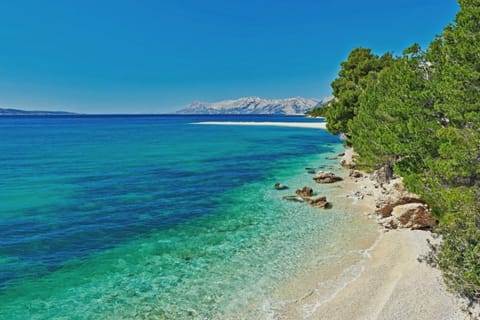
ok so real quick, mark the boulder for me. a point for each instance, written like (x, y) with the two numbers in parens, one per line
(401, 211)
(319, 202)
(305, 192)
(387, 209)
(414, 216)
(279, 186)
(406, 213)
(326, 177)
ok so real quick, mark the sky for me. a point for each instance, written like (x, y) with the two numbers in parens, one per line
(158, 56)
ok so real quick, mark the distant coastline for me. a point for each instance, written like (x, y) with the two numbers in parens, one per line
(19, 112)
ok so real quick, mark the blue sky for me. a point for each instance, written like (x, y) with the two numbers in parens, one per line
(157, 56)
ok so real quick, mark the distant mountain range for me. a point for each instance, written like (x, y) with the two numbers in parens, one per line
(17, 112)
(248, 105)
(255, 105)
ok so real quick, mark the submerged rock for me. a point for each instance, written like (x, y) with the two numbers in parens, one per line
(306, 195)
(326, 177)
(294, 198)
(279, 186)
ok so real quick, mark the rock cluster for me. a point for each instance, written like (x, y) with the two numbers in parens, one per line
(396, 208)
(306, 195)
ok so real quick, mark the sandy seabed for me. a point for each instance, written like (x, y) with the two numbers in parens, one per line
(392, 283)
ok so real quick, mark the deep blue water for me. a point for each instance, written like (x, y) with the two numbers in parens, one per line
(76, 188)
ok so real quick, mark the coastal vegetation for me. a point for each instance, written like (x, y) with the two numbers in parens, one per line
(418, 115)
(318, 111)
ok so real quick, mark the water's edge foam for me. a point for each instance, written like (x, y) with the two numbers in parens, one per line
(274, 309)
(366, 256)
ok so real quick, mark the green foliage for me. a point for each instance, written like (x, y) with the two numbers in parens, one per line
(456, 54)
(458, 255)
(420, 114)
(395, 119)
(356, 73)
(318, 111)
(454, 175)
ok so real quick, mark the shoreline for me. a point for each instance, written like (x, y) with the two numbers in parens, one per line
(392, 284)
(310, 125)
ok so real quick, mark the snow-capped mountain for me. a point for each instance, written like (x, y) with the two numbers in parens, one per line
(253, 105)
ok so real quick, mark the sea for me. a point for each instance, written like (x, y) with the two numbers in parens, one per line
(159, 217)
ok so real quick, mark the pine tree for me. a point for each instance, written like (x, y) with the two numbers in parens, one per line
(360, 68)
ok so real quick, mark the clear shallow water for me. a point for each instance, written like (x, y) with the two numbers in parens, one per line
(154, 217)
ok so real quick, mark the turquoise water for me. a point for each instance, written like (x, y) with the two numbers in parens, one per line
(155, 217)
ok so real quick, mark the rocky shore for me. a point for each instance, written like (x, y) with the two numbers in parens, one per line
(395, 207)
(394, 284)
